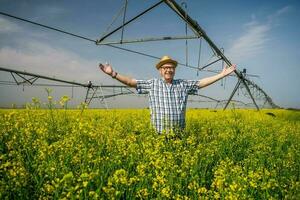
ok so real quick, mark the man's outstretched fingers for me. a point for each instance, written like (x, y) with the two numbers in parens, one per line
(101, 66)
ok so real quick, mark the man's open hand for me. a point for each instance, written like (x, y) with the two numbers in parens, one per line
(228, 70)
(106, 68)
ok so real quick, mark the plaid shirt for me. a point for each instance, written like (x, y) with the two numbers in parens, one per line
(167, 101)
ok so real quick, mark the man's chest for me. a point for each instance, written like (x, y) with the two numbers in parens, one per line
(169, 92)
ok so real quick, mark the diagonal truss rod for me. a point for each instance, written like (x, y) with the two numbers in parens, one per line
(30, 80)
(201, 68)
(40, 76)
(125, 23)
(113, 95)
(207, 97)
(220, 102)
(200, 32)
(267, 97)
(148, 40)
(36, 76)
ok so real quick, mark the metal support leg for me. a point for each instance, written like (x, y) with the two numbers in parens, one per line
(233, 92)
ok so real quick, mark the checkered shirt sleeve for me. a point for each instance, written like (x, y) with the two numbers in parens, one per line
(192, 86)
(144, 86)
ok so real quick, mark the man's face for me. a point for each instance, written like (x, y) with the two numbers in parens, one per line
(167, 71)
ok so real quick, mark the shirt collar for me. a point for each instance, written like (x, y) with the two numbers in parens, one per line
(164, 81)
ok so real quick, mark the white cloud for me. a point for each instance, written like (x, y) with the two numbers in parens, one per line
(7, 26)
(41, 58)
(279, 12)
(255, 37)
(52, 10)
(43, 12)
(251, 43)
(31, 54)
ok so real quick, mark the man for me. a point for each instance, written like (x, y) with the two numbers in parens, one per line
(167, 96)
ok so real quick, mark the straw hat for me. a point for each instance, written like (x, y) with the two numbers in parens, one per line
(164, 60)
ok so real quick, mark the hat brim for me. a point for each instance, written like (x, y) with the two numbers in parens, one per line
(161, 63)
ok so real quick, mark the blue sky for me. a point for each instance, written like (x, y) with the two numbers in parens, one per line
(261, 36)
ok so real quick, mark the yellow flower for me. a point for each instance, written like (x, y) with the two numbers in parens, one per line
(120, 176)
(166, 192)
(142, 193)
(50, 98)
(85, 183)
(202, 190)
(193, 185)
(141, 169)
(233, 186)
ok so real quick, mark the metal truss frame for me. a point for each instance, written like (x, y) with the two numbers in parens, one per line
(192, 24)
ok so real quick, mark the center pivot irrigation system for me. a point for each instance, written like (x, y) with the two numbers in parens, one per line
(249, 88)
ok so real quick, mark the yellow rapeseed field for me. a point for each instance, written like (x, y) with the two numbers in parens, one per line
(116, 154)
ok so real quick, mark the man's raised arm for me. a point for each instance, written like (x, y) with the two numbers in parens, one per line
(107, 69)
(210, 80)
